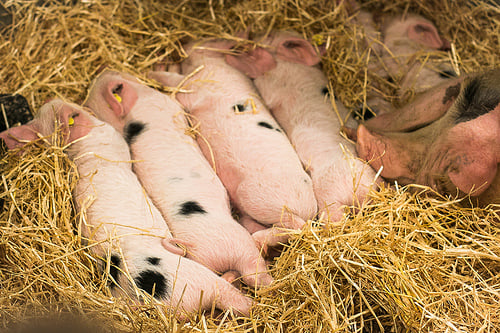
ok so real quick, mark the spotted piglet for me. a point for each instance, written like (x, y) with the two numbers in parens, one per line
(121, 218)
(175, 174)
(251, 154)
(296, 93)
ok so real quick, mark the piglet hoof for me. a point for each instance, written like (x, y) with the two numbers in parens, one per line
(233, 278)
(260, 242)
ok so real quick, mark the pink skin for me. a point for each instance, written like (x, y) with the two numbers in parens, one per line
(129, 225)
(293, 92)
(256, 163)
(178, 178)
(394, 52)
(425, 108)
(452, 147)
(403, 39)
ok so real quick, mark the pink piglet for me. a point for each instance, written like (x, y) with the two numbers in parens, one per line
(176, 175)
(121, 218)
(251, 154)
(296, 92)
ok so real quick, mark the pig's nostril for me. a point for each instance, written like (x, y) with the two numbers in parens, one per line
(447, 74)
(118, 89)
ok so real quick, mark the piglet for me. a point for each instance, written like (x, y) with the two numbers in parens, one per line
(406, 37)
(120, 217)
(396, 52)
(296, 93)
(176, 175)
(251, 154)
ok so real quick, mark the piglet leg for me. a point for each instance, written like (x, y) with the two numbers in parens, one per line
(228, 297)
(275, 235)
(251, 225)
(233, 278)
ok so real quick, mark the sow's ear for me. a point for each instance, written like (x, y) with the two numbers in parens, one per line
(120, 96)
(476, 162)
(426, 33)
(18, 136)
(253, 63)
(297, 50)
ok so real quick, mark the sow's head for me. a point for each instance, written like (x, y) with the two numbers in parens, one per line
(448, 138)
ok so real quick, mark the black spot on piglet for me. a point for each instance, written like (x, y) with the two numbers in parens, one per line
(325, 91)
(132, 130)
(191, 207)
(149, 280)
(153, 260)
(114, 268)
(265, 125)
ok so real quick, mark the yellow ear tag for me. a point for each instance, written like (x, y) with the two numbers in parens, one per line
(71, 121)
(317, 39)
(118, 98)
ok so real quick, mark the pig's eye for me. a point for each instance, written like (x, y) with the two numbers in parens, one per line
(447, 74)
(422, 28)
(291, 44)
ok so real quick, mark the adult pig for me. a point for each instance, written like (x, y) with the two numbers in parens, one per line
(448, 139)
(122, 219)
(176, 175)
(295, 91)
(253, 157)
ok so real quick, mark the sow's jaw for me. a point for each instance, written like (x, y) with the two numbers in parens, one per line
(448, 138)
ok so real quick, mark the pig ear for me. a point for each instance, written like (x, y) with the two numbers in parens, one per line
(121, 97)
(297, 50)
(425, 33)
(18, 136)
(74, 122)
(253, 63)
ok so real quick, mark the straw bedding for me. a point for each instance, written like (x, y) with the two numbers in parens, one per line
(409, 260)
